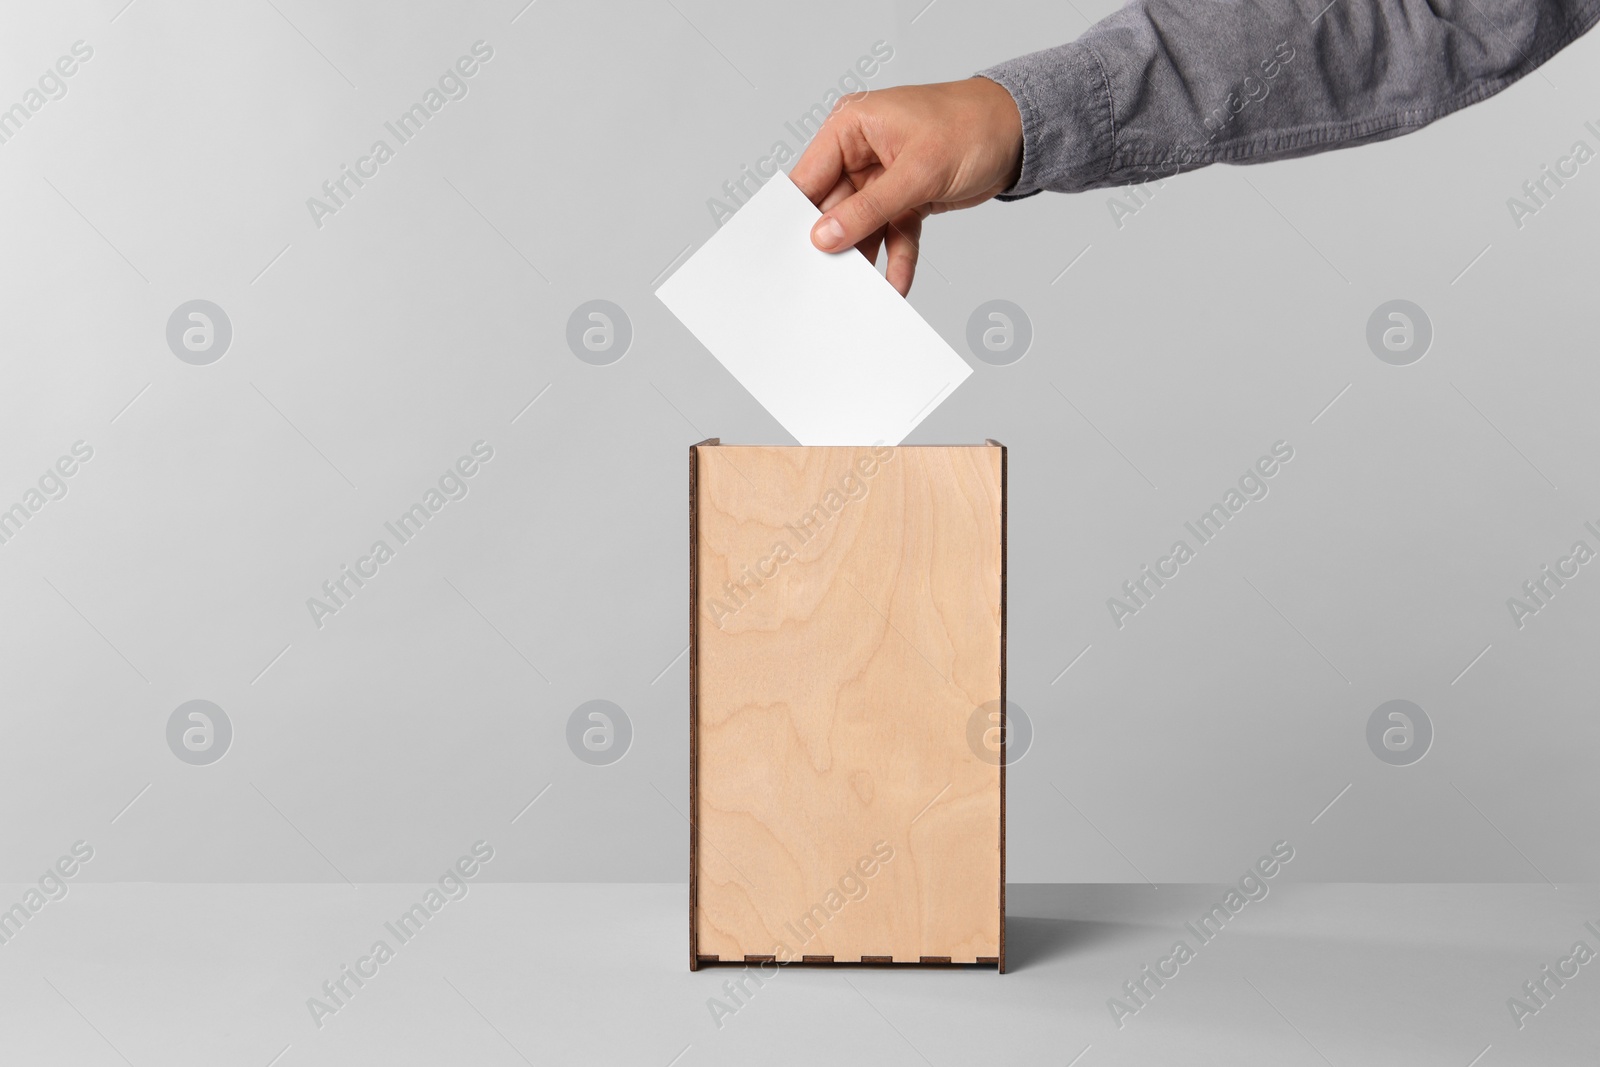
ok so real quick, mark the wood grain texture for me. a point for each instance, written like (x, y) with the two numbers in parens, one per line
(848, 629)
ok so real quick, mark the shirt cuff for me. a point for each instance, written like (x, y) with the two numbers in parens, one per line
(1064, 98)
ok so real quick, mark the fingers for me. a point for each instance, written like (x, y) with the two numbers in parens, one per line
(869, 247)
(901, 244)
(821, 166)
(895, 191)
(841, 191)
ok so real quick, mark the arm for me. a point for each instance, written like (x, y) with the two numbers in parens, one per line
(1159, 87)
(1163, 86)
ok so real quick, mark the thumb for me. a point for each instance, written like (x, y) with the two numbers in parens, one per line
(894, 192)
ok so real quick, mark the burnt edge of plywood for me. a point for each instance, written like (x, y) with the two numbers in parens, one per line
(1000, 961)
(830, 961)
(695, 958)
(694, 704)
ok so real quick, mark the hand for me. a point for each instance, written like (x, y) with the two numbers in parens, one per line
(886, 160)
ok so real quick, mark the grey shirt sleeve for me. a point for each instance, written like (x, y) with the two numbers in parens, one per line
(1163, 86)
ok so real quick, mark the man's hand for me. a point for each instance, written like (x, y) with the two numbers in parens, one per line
(886, 160)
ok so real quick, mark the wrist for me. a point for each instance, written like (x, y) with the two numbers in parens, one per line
(1003, 128)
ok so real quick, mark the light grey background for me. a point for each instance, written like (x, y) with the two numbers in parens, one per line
(1312, 975)
(368, 354)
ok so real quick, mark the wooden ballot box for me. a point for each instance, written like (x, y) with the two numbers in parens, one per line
(847, 703)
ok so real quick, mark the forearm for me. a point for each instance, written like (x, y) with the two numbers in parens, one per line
(1163, 86)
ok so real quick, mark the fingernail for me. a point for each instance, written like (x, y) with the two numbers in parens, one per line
(827, 233)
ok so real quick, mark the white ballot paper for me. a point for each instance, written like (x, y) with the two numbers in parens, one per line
(820, 339)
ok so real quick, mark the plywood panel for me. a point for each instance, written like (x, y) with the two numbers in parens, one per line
(848, 630)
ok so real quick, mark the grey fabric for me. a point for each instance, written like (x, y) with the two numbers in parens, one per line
(1163, 86)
